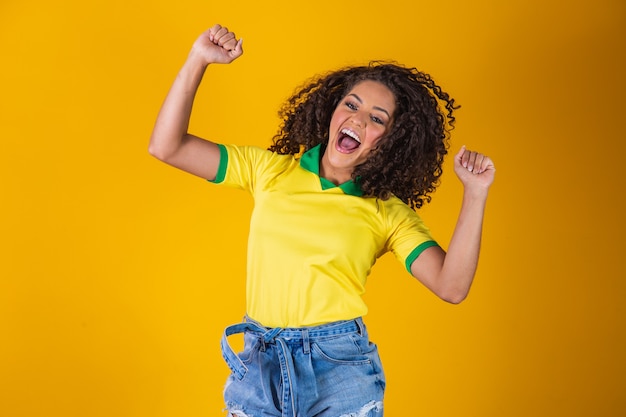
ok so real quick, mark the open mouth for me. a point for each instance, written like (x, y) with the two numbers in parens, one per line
(348, 140)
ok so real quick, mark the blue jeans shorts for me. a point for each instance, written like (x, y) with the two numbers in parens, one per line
(332, 370)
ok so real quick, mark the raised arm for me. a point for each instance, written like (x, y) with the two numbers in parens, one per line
(450, 275)
(170, 141)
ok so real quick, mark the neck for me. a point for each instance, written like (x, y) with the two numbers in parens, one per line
(334, 175)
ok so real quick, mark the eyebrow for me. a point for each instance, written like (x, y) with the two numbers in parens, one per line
(375, 107)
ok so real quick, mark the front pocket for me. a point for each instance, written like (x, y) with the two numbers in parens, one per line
(342, 351)
(252, 345)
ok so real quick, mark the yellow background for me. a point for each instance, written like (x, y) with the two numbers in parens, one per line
(119, 273)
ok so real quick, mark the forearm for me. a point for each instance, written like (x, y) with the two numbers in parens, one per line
(173, 120)
(461, 260)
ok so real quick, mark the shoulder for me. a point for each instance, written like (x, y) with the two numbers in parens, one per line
(394, 207)
(251, 164)
(398, 215)
(254, 155)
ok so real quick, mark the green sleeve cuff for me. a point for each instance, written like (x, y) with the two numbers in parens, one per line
(417, 252)
(221, 169)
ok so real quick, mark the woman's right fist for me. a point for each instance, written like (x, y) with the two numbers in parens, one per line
(218, 46)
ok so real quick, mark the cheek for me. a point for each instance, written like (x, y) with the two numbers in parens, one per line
(335, 121)
(339, 113)
(376, 135)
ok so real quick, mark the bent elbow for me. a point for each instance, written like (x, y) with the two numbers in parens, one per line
(154, 151)
(454, 297)
(159, 152)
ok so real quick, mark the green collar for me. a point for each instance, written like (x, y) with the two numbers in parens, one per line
(310, 161)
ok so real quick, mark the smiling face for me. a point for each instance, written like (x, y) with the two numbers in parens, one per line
(360, 119)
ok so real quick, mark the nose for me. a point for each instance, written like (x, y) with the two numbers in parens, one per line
(357, 120)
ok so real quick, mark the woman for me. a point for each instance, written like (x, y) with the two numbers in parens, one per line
(359, 149)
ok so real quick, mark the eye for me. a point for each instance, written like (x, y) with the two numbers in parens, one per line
(377, 120)
(351, 105)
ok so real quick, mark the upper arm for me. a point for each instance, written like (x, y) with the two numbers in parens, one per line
(428, 265)
(194, 155)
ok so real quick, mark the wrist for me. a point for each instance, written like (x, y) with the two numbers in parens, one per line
(193, 70)
(476, 193)
(196, 59)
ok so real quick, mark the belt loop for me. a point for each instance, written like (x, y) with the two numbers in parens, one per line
(360, 325)
(305, 341)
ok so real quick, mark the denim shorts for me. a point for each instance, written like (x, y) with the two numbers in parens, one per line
(332, 370)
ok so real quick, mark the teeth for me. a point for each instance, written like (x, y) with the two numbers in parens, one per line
(351, 134)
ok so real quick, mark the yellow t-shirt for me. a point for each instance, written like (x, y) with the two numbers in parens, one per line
(312, 244)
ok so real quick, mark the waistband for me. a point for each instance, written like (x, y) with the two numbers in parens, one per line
(269, 335)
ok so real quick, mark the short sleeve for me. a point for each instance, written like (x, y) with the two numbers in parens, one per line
(248, 167)
(409, 235)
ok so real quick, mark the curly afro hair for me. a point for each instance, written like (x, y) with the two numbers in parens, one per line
(407, 161)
